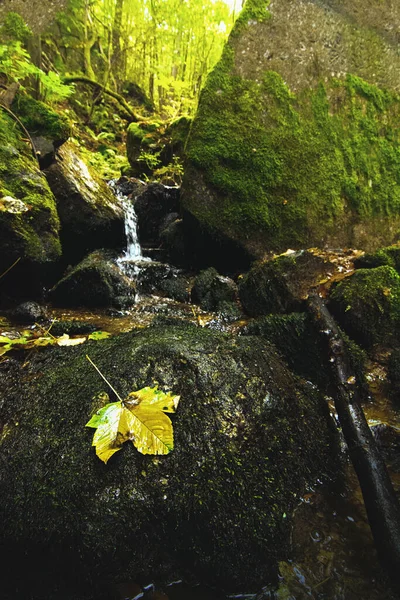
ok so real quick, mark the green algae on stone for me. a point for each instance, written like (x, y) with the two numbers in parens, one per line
(277, 162)
(367, 305)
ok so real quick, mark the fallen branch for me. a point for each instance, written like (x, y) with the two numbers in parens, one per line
(98, 86)
(380, 500)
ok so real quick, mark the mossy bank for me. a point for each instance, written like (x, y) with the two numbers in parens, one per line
(296, 138)
(29, 224)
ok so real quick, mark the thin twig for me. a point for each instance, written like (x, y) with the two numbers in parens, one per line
(14, 116)
(102, 376)
(9, 268)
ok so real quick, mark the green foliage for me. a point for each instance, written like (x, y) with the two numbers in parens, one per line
(166, 48)
(14, 27)
(139, 418)
(173, 172)
(16, 64)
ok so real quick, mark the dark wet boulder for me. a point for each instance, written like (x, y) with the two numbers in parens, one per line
(29, 223)
(97, 281)
(29, 312)
(215, 292)
(388, 441)
(172, 239)
(72, 327)
(281, 285)
(295, 139)
(91, 216)
(159, 278)
(367, 305)
(248, 438)
(152, 207)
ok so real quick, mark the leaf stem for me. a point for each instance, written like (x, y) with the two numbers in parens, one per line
(106, 380)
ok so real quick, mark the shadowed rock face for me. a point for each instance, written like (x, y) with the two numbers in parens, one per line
(218, 506)
(295, 142)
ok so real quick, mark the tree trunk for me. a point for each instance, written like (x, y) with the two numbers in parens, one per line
(117, 57)
(35, 52)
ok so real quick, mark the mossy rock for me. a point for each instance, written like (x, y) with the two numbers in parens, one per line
(384, 256)
(96, 282)
(296, 139)
(281, 285)
(91, 216)
(248, 438)
(215, 293)
(40, 119)
(29, 223)
(367, 305)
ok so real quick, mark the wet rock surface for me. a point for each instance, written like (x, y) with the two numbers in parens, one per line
(245, 446)
(28, 312)
(95, 282)
(280, 285)
(215, 292)
(152, 207)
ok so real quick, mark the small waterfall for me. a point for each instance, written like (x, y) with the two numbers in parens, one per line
(132, 259)
(133, 250)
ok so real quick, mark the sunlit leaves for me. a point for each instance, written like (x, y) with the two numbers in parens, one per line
(30, 340)
(139, 418)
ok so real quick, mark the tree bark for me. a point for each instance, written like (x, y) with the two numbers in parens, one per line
(379, 496)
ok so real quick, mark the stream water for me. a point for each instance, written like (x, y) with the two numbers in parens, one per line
(333, 553)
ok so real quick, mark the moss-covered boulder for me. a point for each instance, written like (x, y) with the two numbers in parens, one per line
(248, 437)
(367, 305)
(29, 224)
(90, 214)
(384, 256)
(296, 138)
(41, 120)
(96, 282)
(281, 285)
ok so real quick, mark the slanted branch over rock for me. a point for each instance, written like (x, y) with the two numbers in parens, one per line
(379, 497)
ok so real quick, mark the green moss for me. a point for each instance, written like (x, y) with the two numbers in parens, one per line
(384, 256)
(40, 119)
(367, 305)
(32, 234)
(288, 168)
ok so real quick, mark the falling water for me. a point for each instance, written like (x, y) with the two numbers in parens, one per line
(130, 260)
(133, 250)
